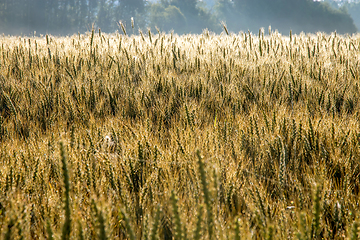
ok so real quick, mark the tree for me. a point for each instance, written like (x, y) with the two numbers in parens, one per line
(128, 9)
(104, 18)
(14, 17)
(182, 16)
(82, 13)
(209, 3)
(330, 19)
(187, 7)
(167, 18)
(353, 9)
(36, 15)
(191, 12)
(284, 15)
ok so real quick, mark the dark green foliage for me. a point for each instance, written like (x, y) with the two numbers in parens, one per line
(168, 18)
(182, 16)
(284, 15)
(353, 8)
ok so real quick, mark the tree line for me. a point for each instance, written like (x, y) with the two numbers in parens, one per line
(66, 17)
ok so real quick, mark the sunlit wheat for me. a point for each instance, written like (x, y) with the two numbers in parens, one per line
(251, 136)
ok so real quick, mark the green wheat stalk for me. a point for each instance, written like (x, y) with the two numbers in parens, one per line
(197, 231)
(155, 225)
(129, 229)
(49, 231)
(270, 234)
(206, 194)
(316, 214)
(225, 28)
(237, 229)
(81, 232)
(67, 224)
(8, 232)
(176, 216)
(282, 170)
(102, 231)
(355, 231)
(123, 28)
(303, 234)
(100, 220)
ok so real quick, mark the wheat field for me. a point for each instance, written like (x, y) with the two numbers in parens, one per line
(160, 136)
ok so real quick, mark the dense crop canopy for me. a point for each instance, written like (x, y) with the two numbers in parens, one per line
(194, 136)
